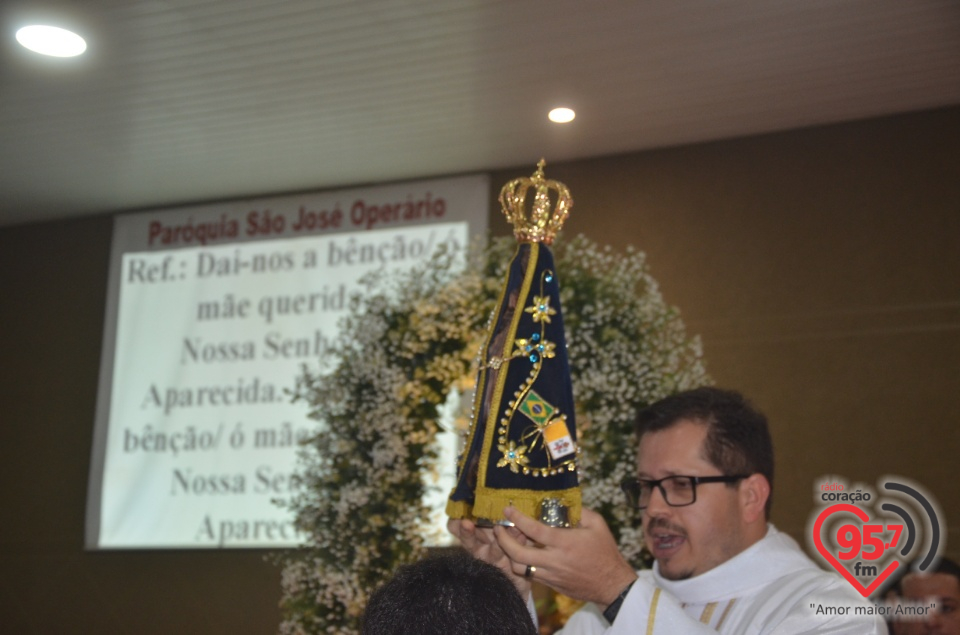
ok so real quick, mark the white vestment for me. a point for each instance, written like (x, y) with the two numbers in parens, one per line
(771, 588)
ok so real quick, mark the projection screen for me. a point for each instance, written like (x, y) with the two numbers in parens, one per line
(211, 312)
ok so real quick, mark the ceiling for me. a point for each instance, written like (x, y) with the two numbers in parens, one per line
(181, 101)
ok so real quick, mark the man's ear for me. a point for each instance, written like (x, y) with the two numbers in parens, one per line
(754, 493)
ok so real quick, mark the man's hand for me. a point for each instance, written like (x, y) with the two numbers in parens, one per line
(483, 545)
(582, 562)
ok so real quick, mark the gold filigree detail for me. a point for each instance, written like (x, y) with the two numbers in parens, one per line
(495, 363)
(547, 349)
(541, 309)
(543, 348)
(513, 455)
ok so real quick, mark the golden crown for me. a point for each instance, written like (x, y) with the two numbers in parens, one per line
(543, 223)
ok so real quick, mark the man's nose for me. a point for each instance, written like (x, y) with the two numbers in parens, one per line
(657, 505)
(934, 621)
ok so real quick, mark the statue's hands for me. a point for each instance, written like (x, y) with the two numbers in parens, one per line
(582, 562)
(483, 545)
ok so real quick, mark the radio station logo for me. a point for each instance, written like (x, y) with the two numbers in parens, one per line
(868, 538)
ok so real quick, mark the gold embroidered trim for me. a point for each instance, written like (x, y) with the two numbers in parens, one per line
(489, 502)
(653, 610)
(725, 612)
(481, 379)
(708, 613)
(458, 509)
(493, 415)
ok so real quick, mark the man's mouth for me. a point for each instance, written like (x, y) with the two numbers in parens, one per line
(665, 542)
(665, 537)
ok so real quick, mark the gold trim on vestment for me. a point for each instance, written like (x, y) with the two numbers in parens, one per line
(708, 613)
(725, 612)
(653, 610)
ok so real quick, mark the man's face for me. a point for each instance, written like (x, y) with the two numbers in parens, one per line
(942, 589)
(688, 541)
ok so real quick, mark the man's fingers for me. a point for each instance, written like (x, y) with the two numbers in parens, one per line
(590, 518)
(520, 556)
(521, 569)
(467, 535)
(517, 535)
(528, 526)
(484, 536)
(453, 526)
(511, 546)
(472, 537)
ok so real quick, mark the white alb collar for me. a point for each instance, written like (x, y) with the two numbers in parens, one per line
(772, 557)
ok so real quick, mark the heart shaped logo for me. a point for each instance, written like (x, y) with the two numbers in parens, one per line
(865, 591)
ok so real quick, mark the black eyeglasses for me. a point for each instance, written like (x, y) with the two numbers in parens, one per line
(677, 491)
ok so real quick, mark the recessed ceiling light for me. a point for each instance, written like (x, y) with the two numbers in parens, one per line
(51, 40)
(561, 115)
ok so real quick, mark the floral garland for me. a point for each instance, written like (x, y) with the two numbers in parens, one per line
(405, 345)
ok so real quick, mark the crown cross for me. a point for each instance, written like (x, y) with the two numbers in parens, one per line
(545, 219)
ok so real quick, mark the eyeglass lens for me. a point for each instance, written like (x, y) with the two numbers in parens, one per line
(676, 490)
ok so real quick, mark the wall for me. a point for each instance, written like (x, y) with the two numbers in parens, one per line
(821, 268)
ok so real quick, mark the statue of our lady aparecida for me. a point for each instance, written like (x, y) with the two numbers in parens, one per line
(521, 447)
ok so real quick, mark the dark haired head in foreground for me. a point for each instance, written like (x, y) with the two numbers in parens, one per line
(449, 594)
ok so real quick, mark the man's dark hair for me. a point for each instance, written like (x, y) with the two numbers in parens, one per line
(447, 594)
(948, 566)
(944, 565)
(738, 439)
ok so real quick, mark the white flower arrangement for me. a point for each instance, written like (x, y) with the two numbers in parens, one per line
(404, 345)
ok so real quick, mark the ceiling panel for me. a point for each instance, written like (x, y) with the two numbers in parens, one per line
(179, 102)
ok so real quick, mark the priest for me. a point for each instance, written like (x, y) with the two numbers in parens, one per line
(704, 482)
